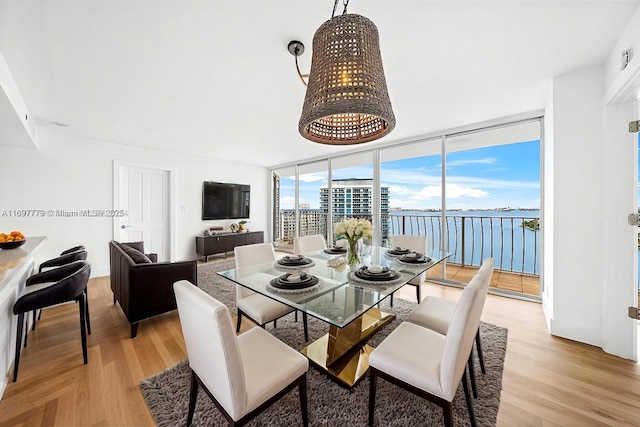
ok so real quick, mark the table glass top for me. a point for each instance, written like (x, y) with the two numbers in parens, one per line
(339, 297)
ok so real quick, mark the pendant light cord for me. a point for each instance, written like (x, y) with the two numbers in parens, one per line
(335, 6)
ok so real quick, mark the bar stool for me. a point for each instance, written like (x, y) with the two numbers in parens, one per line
(76, 253)
(63, 284)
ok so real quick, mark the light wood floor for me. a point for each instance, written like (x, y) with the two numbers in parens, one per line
(548, 381)
(502, 280)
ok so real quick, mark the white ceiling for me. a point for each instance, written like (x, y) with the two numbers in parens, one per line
(214, 78)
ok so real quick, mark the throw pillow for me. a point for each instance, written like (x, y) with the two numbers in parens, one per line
(137, 256)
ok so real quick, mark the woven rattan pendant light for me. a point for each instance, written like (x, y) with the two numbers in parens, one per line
(347, 100)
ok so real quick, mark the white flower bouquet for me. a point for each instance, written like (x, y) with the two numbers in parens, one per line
(353, 229)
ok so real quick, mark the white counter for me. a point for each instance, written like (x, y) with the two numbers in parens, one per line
(12, 259)
(16, 265)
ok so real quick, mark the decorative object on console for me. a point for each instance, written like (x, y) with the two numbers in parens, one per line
(213, 230)
(347, 101)
(353, 230)
(234, 227)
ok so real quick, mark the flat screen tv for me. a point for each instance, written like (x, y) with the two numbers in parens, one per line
(225, 200)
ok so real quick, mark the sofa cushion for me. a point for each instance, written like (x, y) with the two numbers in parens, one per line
(139, 246)
(137, 256)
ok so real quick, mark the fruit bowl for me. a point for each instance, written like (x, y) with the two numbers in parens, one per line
(13, 244)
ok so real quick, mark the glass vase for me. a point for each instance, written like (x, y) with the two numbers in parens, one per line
(353, 252)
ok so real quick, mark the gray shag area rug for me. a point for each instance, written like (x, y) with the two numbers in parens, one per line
(330, 404)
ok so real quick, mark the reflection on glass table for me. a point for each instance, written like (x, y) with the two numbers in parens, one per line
(340, 297)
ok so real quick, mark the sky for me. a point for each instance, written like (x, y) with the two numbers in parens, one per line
(482, 178)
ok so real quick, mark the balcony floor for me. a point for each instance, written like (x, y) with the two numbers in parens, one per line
(508, 281)
(514, 282)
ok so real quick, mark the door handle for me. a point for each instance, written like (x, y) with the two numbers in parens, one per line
(124, 226)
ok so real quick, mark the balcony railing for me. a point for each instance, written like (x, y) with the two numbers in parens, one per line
(512, 241)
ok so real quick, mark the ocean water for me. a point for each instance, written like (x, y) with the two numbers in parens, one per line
(476, 235)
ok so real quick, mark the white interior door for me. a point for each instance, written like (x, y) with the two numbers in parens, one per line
(144, 193)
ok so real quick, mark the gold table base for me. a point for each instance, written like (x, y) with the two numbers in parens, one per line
(342, 352)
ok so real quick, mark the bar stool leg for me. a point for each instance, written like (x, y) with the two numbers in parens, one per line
(83, 325)
(18, 346)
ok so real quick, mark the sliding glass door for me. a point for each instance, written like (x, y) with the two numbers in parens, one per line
(312, 215)
(283, 214)
(493, 204)
(474, 193)
(351, 194)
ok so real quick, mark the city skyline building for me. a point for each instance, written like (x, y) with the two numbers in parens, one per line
(351, 197)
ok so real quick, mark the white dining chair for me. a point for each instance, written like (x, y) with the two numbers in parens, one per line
(427, 363)
(342, 243)
(241, 374)
(415, 244)
(259, 308)
(311, 243)
(435, 313)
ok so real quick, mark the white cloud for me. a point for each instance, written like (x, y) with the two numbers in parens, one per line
(467, 181)
(312, 177)
(422, 177)
(485, 161)
(399, 190)
(415, 176)
(405, 203)
(454, 191)
(287, 202)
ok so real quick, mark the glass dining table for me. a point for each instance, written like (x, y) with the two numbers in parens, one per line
(341, 297)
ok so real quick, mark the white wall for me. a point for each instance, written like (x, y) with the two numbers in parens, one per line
(74, 173)
(629, 39)
(590, 181)
(573, 207)
(620, 176)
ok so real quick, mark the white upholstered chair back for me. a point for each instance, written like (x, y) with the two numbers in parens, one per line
(342, 243)
(414, 243)
(212, 346)
(248, 255)
(305, 244)
(463, 328)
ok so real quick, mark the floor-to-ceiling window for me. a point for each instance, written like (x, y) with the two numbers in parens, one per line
(312, 214)
(283, 214)
(351, 193)
(412, 176)
(475, 193)
(493, 203)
